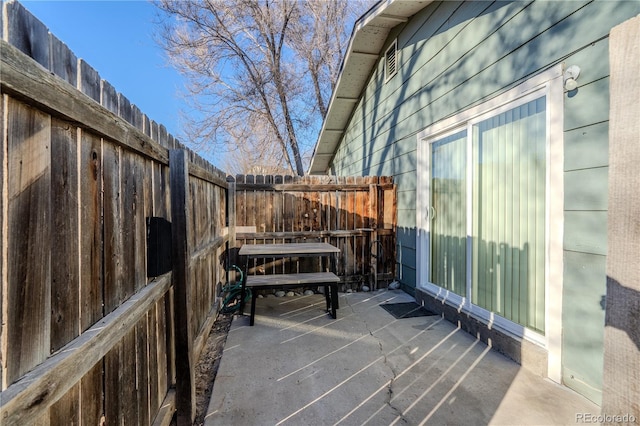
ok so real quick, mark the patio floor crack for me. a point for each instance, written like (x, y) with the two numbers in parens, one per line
(389, 391)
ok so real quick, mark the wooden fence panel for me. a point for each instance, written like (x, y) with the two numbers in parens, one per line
(113, 245)
(81, 174)
(92, 395)
(143, 366)
(3, 231)
(129, 186)
(148, 201)
(66, 411)
(29, 239)
(65, 295)
(621, 392)
(349, 212)
(87, 337)
(65, 289)
(207, 202)
(91, 243)
(157, 355)
(120, 401)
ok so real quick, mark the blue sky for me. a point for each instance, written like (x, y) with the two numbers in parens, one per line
(116, 39)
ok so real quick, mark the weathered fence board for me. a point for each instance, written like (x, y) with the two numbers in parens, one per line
(155, 358)
(180, 212)
(114, 292)
(91, 202)
(621, 392)
(67, 409)
(91, 394)
(87, 337)
(142, 370)
(29, 239)
(349, 212)
(41, 387)
(3, 228)
(64, 209)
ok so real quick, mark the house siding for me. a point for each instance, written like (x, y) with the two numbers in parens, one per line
(455, 55)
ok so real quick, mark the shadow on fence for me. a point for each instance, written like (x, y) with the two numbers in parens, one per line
(355, 214)
(87, 336)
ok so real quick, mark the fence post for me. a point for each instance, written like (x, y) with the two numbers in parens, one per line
(621, 374)
(231, 224)
(185, 374)
(372, 250)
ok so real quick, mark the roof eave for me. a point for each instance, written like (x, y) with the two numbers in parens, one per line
(365, 47)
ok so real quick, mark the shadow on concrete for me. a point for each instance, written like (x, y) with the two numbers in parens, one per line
(298, 366)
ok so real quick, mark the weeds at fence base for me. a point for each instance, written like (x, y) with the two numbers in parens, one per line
(207, 366)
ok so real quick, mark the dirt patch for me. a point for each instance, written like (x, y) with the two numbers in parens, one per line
(208, 364)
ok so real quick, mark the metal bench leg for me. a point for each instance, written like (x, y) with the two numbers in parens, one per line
(327, 295)
(254, 296)
(242, 296)
(334, 300)
(244, 282)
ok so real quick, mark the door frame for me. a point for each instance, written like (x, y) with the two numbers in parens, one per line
(550, 84)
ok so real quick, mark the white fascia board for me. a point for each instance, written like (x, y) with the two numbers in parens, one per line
(383, 17)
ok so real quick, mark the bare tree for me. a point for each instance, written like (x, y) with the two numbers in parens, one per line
(253, 158)
(272, 62)
(319, 39)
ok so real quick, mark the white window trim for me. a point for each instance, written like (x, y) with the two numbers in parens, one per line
(549, 84)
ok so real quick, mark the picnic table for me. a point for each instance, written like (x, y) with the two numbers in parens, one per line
(327, 279)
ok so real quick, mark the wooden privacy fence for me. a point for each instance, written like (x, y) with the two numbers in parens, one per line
(87, 337)
(356, 214)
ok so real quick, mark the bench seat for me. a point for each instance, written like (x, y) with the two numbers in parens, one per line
(328, 280)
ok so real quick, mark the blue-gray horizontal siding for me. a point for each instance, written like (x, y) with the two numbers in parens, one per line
(454, 55)
(583, 321)
(586, 161)
(450, 72)
(586, 147)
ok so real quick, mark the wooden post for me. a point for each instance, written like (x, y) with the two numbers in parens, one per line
(621, 391)
(372, 250)
(185, 375)
(231, 223)
(391, 222)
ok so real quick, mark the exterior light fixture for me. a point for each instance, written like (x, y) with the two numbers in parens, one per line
(570, 76)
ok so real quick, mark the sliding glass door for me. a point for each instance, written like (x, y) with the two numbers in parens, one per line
(504, 154)
(448, 213)
(508, 243)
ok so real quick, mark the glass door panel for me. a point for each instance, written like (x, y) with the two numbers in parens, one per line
(447, 213)
(508, 247)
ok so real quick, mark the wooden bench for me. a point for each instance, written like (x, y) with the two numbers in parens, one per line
(328, 280)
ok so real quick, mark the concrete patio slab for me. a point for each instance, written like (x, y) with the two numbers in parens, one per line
(297, 366)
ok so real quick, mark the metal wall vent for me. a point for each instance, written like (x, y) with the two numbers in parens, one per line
(391, 60)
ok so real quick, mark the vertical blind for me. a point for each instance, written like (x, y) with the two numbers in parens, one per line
(508, 165)
(448, 213)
